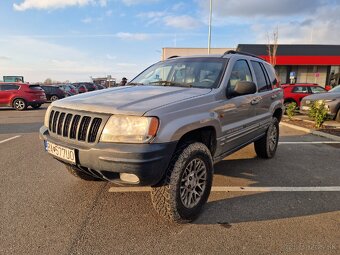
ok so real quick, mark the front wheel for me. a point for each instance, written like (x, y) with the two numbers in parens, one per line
(337, 117)
(267, 145)
(187, 184)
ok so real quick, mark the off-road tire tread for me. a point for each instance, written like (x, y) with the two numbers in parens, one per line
(162, 195)
(260, 145)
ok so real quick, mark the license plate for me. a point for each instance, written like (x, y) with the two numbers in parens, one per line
(61, 152)
(305, 108)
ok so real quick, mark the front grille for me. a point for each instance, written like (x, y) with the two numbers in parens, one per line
(84, 128)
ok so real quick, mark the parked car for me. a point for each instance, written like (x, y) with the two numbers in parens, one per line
(53, 93)
(331, 100)
(99, 86)
(69, 89)
(295, 92)
(186, 114)
(21, 95)
(84, 86)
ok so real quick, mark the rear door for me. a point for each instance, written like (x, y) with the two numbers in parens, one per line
(265, 95)
(237, 113)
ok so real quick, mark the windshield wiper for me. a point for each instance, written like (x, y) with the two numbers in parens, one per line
(135, 83)
(171, 83)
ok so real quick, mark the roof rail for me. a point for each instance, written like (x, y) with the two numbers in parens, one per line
(241, 53)
(173, 57)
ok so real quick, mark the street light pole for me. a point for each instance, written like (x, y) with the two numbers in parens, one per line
(209, 33)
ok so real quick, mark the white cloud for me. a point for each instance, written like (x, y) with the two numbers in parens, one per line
(182, 22)
(132, 36)
(320, 27)
(54, 4)
(267, 8)
(135, 2)
(178, 7)
(87, 20)
(110, 57)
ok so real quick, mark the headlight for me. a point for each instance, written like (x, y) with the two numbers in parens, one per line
(129, 129)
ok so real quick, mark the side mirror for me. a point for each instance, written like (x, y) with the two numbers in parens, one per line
(244, 88)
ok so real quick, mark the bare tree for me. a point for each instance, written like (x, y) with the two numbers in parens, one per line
(272, 45)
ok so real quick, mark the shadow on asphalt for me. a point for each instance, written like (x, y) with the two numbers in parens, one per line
(20, 128)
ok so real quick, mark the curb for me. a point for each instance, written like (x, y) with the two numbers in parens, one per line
(311, 131)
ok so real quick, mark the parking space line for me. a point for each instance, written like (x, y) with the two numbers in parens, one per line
(311, 142)
(9, 139)
(239, 189)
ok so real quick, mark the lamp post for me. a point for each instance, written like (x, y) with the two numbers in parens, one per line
(209, 33)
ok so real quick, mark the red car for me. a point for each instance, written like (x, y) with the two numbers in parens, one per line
(21, 95)
(295, 92)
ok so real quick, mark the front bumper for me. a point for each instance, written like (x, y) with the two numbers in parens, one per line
(147, 161)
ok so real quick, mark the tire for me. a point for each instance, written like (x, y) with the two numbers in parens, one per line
(190, 170)
(36, 106)
(267, 145)
(337, 118)
(76, 172)
(54, 98)
(19, 104)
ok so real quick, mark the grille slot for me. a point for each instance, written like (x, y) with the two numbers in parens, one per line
(84, 125)
(94, 130)
(77, 127)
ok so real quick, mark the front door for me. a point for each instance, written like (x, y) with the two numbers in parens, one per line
(237, 114)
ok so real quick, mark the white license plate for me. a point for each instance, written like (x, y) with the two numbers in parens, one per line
(61, 152)
(305, 108)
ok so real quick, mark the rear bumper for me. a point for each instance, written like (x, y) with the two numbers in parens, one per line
(147, 161)
(33, 102)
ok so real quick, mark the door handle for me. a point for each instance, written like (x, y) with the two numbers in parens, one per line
(274, 96)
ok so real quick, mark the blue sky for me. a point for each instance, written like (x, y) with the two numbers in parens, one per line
(74, 39)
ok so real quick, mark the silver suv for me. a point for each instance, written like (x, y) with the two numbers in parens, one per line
(169, 126)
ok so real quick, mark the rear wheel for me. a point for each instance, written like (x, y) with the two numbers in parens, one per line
(19, 104)
(54, 98)
(36, 106)
(267, 145)
(337, 118)
(75, 171)
(187, 184)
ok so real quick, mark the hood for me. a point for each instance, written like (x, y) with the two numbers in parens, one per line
(322, 96)
(131, 100)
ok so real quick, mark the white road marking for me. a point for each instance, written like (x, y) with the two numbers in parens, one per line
(312, 142)
(9, 139)
(239, 189)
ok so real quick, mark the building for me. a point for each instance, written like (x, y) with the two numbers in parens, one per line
(302, 63)
(169, 52)
(294, 63)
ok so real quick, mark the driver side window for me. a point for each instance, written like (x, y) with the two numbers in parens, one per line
(240, 72)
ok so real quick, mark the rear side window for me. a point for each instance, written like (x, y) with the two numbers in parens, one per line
(316, 90)
(35, 87)
(261, 78)
(9, 87)
(272, 75)
(300, 89)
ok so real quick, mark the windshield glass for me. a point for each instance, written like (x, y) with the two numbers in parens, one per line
(335, 89)
(188, 72)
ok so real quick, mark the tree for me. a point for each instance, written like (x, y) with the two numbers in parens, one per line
(48, 81)
(272, 45)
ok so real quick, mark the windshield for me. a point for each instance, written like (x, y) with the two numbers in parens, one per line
(188, 72)
(335, 89)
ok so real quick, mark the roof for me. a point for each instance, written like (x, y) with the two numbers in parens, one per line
(293, 49)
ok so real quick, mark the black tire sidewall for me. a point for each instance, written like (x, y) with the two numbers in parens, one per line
(270, 152)
(191, 213)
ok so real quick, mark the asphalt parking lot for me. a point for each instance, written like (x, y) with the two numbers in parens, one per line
(286, 205)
